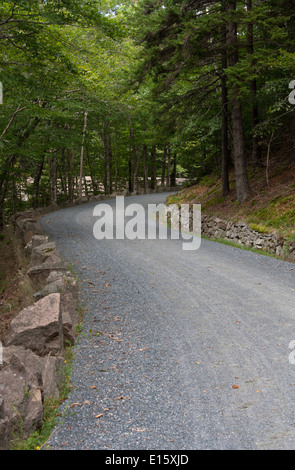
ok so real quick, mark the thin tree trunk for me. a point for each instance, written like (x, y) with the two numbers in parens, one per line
(82, 153)
(85, 186)
(168, 177)
(267, 160)
(53, 179)
(108, 157)
(115, 162)
(173, 173)
(256, 150)
(224, 100)
(130, 162)
(63, 173)
(70, 176)
(153, 168)
(93, 182)
(37, 179)
(145, 169)
(292, 120)
(243, 190)
(164, 162)
(19, 108)
(133, 158)
(110, 163)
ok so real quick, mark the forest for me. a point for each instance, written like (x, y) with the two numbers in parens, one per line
(100, 97)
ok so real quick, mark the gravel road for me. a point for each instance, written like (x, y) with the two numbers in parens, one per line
(180, 350)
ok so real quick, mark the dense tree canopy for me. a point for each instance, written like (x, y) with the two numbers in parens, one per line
(100, 97)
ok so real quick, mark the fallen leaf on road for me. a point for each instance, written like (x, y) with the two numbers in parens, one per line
(99, 416)
(235, 386)
(93, 386)
(117, 339)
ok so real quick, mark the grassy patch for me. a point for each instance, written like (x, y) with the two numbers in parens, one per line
(237, 245)
(37, 440)
(278, 214)
(270, 208)
(259, 228)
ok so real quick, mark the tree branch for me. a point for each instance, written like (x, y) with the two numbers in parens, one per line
(18, 110)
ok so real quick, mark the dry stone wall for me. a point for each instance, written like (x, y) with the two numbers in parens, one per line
(32, 366)
(242, 234)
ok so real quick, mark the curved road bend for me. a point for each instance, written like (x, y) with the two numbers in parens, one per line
(179, 349)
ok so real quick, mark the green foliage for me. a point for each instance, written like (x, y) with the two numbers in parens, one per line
(149, 74)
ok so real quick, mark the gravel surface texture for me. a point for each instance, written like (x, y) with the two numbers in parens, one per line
(180, 350)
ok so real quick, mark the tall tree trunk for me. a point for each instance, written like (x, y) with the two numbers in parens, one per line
(133, 159)
(136, 165)
(243, 190)
(224, 101)
(153, 168)
(116, 162)
(145, 169)
(63, 173)
(53, 179)
(37, 179)
(130, 178)
(93, 182)
(164, 162)
(292, 120)
(256, 150)
(110, 163)
(173, 173)
(168, 178)
(108, 160)
(70, 176)
(85, 186)
(82, 154)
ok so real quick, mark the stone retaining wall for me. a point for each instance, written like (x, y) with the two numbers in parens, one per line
(32, 368)
(32, 357)
(242, 234)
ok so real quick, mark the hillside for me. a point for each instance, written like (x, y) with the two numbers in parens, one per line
(271, 207)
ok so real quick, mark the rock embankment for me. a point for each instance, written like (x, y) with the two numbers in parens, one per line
(242, 234)
(32, 354)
